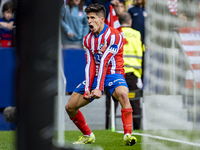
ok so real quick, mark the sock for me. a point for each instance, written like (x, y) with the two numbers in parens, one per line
(127, 119)
(81, 124)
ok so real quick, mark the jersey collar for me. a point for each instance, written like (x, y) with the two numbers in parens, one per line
(104, 29)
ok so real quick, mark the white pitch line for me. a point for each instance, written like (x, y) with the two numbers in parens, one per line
(163, 138)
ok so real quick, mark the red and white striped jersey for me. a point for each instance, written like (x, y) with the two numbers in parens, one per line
(172, 5)
(100, 62)
(190, 40)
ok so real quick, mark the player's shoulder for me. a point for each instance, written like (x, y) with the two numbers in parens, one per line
(88, 35)
(86, 38)
(115, 32)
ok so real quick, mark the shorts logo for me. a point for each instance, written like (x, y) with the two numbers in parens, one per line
(78, 85)
(110, 83)
(121, 82)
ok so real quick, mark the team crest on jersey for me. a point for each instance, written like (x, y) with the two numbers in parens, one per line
(101, 45)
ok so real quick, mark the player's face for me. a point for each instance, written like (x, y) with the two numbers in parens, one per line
(7, 14)
(96, 23)
(119, 8)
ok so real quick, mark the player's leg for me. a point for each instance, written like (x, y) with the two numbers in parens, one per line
(75, 102)
(131, 80)
(121, 94)
(119, 89)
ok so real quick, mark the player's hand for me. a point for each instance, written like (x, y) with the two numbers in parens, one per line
(71, 34)
(96, 93)
(87, 95)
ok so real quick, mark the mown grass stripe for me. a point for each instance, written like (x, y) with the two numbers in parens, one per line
(163, 138)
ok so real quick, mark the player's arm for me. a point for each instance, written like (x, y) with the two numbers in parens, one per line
(89, 72)
(115, 43)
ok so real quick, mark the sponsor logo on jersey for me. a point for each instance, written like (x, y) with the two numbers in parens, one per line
(113, 48)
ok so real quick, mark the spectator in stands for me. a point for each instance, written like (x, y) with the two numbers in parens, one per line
(129, 4)
(73, 24)
(132, 64)
(6, 24)
(119, 7)
(2, 2)
(138, 15)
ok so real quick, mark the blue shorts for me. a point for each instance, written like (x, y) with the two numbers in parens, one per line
(111, 82)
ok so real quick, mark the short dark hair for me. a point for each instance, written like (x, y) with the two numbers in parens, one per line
(96, 8)
(122, 1)
(124, 17)
(8, 6)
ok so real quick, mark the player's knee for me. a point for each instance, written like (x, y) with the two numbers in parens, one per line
(69, 109)
(124, 95)
(124, 100)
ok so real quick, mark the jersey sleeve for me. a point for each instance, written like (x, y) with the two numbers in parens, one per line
(89, 68)
(115, 43)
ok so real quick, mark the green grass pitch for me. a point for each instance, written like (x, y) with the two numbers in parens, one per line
(7, 140)
(108, 140)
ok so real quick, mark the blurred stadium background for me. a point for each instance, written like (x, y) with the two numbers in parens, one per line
(171, 94)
